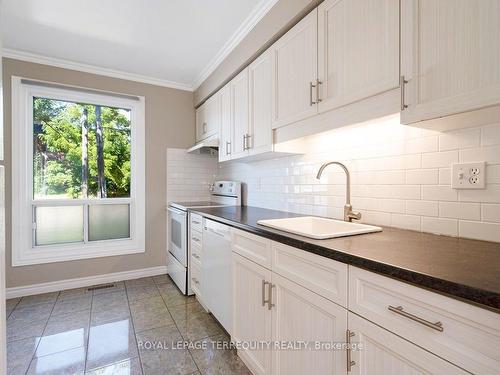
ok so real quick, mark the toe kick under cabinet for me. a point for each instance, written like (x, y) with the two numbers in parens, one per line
(284, 297)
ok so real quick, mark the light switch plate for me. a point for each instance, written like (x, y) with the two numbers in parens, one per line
(468, 175)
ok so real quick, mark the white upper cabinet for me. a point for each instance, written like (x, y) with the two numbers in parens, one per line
(295, 57)
(212, 115)
(200, 123)
(225, 124)
(358, 50)
(450, 57)
(207, 118)
(239, 114)
(260, 95)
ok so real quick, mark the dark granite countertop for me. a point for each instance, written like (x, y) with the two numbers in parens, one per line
(465, 269)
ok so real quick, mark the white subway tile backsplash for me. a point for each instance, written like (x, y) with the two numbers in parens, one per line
(460, 139)
(489, 195)
(448, 227)
(491, 212)
(405, 222)
(479, 230)
(445, 176)
(439, 193)
(442, 159)
(460, 210)
(422, 208)
(400, 177)
(489, 154)
(422, 176)
(490, 135)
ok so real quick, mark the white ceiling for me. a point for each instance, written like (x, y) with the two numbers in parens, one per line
(174, 43)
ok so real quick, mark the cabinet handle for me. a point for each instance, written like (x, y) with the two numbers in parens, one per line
(195, 239)
(311, 86)
(318, 82)
(195, 280)
(270, 303)
(350, 362)
(228, 149)
(402, 83)
(196, 256)
(195, 222)
(438, 326)
(248, 141)
(264, 300)
(244, 142)
(204, 127)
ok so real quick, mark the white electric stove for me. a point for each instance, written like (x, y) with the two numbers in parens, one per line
(222, 193)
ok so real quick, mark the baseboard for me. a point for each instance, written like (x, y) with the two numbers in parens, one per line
(54, 286)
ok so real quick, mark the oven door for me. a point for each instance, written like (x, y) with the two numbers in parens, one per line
(177, 234)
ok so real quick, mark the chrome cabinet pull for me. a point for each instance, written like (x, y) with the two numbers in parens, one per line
(402, 83)
(228, 149)
(264, 300)
(350, 362)
(195, 280)
(204, 127)
(195, 222)
(195, 239)
(244, 142)
(248, 141)
(438, 326)
(318, 99)
(270, 303)
(311, 86)
(196, 256)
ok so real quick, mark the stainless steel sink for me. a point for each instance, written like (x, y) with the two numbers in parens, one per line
(319, 228)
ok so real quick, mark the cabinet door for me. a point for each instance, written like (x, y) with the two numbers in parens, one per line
(239, 114)
(301, 315)
(225, 124)
(450, 57)
(251, 318)
(201, 124)
(358, 50)
(295, 72)
(212, 115)
(383, 353)
(260, 92)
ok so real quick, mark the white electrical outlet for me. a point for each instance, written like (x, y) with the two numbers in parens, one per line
(468, 175)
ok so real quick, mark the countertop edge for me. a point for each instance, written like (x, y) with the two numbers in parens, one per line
(478, 297)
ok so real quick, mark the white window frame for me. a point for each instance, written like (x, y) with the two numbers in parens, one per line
(23, 250)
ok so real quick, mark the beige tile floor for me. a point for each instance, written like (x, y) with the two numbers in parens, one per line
(132, 328)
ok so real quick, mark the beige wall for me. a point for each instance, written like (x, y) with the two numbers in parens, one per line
(279, 19)
(169, 123)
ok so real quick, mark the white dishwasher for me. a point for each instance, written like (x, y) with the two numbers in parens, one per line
(216, 272)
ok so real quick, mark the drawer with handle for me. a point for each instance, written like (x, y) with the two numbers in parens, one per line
(195, 278)
(463, 334)
(195, 237)
(196, 253)
(195, 222)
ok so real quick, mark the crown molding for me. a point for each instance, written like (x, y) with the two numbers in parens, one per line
(246, 26)
(67, 64)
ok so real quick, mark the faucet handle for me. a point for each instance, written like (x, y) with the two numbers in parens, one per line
(355, 215)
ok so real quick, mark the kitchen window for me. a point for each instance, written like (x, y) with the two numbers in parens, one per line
(77, 173)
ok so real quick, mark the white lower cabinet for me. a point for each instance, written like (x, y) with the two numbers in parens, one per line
(251, 317)
(300, 315)
(382, 353)
(285, 296)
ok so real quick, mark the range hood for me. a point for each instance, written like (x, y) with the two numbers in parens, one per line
(209, 145)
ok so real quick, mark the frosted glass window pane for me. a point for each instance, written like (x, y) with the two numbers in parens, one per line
(57, 225)
(109, 221)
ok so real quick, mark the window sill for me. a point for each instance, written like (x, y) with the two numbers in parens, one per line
(73, 252)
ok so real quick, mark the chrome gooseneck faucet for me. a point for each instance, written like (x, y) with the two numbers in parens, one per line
(349, 214)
